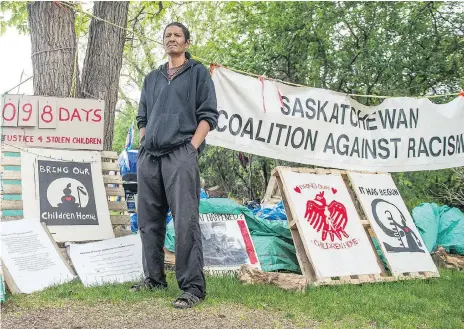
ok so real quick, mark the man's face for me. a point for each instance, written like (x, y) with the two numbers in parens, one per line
(219, 231)
(174, 41)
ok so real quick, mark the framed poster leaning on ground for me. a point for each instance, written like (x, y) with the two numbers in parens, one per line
(329, 226)
(389, 217)
(227, 243)
(31, 258)
(65, 190)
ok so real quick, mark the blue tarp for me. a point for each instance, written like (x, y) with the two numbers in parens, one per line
(277, 212)
(127, 162)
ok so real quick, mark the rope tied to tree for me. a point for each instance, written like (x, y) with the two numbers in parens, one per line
(50, 50)
(72, 91)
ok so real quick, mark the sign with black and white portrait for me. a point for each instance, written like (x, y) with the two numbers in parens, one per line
(227, 243)
(67, 193)
(65, 190)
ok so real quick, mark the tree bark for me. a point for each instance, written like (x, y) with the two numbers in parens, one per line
(53, 42)
(103, 60)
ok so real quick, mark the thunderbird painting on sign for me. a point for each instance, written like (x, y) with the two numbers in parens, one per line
(329, 225)
(330, 218)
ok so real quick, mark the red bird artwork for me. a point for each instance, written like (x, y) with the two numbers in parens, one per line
(331, 219)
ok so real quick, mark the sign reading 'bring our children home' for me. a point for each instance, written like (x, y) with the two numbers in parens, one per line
(60, 123)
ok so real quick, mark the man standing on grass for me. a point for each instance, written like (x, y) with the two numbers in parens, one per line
(177, 110)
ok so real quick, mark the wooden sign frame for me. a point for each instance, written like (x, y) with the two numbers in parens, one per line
(277, 191)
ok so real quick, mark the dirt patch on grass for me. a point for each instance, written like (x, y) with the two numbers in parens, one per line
(148, 314)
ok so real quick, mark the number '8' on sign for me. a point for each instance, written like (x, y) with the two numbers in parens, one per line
(47, 113)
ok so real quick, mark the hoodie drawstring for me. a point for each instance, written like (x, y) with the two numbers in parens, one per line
(190, 82)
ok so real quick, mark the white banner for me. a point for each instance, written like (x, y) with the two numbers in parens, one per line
(329, 129)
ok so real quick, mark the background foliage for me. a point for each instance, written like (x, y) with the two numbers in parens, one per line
(381, 48)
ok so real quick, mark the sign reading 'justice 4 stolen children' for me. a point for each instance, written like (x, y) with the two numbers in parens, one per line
(68, 123)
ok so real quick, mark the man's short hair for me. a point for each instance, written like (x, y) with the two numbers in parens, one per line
(182, 26)
(222, 224)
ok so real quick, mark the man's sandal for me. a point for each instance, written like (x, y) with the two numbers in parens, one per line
(187, 300)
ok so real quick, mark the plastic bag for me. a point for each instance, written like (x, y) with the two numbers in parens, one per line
(440, 226)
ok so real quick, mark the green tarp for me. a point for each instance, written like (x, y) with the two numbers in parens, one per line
(2, 290)
(272, 239)
(440, 226)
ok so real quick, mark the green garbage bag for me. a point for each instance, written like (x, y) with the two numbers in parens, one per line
(440, 226)
(170, 241)
(380, 253)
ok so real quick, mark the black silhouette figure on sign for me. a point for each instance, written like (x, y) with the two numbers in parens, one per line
(68, 201)
(408, 240)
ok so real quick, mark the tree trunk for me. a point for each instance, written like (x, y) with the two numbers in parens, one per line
(265, 169)
(250, 182)
(103, 60)
(53, 42)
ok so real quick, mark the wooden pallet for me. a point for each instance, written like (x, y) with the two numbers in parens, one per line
(277, 191)
(11, 191)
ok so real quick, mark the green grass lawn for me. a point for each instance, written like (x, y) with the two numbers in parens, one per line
(433, 303)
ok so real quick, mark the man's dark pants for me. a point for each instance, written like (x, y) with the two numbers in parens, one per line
(172, 180)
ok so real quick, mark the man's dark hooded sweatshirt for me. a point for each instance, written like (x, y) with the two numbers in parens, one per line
(168, 173)
(171, 110)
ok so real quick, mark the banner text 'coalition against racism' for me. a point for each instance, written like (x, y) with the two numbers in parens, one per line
(297, 137)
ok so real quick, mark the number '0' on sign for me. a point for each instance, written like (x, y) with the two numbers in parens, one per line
(10, 111)
(47, 113)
